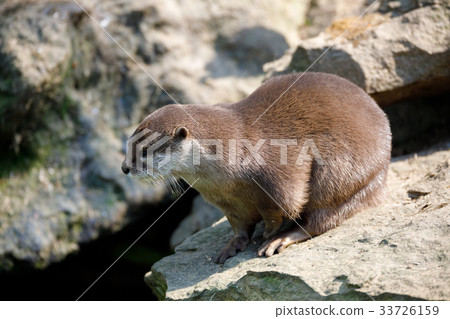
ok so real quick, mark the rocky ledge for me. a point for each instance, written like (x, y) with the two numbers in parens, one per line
(398, 251)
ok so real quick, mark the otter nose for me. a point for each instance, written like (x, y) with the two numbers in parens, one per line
(125, 169)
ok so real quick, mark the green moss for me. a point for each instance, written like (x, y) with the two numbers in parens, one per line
(11, 162)
(308, 22)
(31, 119)
(40, 264)
(6, 100)
(6, 264)
(139, 255)
(157, 283)
(47, 135)
(76, 229)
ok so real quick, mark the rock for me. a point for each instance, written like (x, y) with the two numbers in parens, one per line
(70, 96)
(397, 251)
(322, 13)
(202, 215)
(398, 7)
(392, 56)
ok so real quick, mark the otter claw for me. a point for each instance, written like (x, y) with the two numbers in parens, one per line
(224, 255)
(282, 241)
(236, 243)
(272, 246)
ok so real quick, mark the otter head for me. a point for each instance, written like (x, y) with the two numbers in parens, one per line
(161, 146)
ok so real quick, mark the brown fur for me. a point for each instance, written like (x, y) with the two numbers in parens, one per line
(352, 135)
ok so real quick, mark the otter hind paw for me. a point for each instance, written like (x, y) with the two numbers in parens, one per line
(282, 241)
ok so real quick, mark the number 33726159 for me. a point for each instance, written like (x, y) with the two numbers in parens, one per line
(409, 310)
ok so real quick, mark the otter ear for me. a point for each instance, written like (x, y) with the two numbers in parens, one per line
(181, 132)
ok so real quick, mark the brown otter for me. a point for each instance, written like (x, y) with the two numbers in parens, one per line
(318, 154)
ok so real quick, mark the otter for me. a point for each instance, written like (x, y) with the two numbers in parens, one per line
(310, 149)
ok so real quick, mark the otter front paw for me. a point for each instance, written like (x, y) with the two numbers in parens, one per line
(238, 242)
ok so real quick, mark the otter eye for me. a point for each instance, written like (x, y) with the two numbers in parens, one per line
(181, 132)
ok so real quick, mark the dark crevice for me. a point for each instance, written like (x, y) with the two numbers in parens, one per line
(68, 279)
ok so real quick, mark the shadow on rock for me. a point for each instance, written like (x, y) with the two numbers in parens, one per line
(244, 53)
(335, 61)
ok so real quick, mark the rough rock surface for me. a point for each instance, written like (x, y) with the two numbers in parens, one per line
(399, 52)
(398, 251)
(70, 96)
(321, 13)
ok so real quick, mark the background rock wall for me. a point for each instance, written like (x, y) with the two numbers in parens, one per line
(400, 51)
